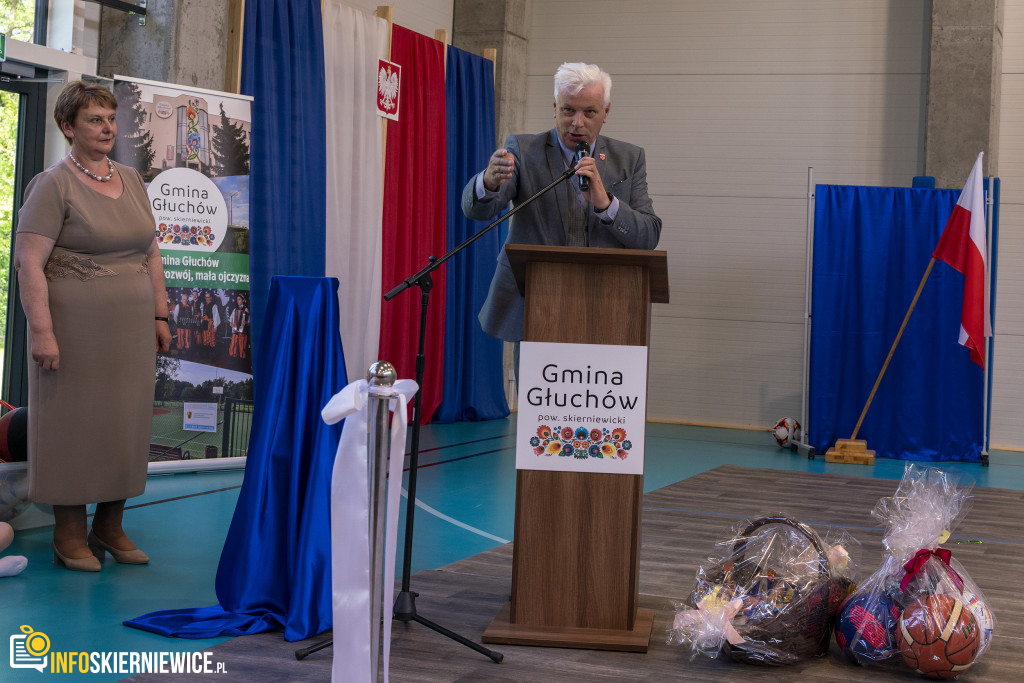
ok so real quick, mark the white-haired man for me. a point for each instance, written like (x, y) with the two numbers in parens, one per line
(615, 211)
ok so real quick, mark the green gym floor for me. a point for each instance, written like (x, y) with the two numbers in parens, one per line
(466, 495)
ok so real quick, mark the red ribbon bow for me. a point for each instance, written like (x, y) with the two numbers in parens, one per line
(918, 561)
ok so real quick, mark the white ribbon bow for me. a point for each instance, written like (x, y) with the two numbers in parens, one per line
(350, 535)
(710, 623)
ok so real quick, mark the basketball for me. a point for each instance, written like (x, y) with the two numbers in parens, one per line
(939, 636)
(866, 628)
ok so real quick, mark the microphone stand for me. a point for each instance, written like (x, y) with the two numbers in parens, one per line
(405, 603)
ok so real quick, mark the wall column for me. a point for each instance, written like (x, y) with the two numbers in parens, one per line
(185, 42)
(505, 25)
(964, 85)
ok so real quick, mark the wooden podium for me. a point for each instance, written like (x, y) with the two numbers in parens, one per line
(575, 560)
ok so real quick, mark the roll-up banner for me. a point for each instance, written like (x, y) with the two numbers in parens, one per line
(192, 148)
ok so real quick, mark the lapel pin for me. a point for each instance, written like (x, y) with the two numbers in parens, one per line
(601, 157)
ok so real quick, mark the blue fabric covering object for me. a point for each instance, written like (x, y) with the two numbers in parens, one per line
(871, 248)
(275, 569)
(283, 69)
(473, 382)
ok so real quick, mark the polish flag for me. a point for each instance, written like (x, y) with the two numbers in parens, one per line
(962, 246)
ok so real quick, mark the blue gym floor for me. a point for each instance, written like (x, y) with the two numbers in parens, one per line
(466, 493)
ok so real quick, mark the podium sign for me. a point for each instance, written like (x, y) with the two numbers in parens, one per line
(582, 408)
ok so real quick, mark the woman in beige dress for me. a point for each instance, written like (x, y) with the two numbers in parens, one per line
(86, 239)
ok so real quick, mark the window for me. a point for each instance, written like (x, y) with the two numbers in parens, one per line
(22, 118)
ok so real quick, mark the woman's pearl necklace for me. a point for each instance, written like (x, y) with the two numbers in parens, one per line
(92, 175)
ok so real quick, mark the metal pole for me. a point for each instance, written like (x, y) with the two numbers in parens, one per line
(803, 443)
(989, 218)
(381, 378)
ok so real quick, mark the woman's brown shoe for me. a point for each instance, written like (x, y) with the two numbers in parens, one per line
(98, 545)
(85, 564)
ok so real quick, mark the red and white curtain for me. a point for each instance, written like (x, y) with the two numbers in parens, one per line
(385, 217)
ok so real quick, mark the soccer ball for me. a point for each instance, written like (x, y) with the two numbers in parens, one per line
(786, 431)
(866, 628)
(939, 636)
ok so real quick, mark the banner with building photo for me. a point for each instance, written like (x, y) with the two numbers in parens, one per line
(192, 148)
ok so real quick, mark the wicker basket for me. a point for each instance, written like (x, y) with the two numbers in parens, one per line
(803, 627)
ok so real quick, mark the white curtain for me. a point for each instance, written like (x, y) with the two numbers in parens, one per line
(353, 42)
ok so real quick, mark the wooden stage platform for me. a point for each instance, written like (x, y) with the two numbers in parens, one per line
(681, 524)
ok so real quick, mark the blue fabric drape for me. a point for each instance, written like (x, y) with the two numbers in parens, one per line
(473, 384)
(871, 248)
(283, 69)
(275, 568)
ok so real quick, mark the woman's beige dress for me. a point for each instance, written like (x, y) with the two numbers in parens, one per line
(89, 421)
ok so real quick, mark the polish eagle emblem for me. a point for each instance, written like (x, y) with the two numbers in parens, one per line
(387, 88)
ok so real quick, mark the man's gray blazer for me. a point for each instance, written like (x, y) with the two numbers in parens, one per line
(539, 161)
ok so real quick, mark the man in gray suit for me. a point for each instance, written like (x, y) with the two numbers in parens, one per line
(615, 211)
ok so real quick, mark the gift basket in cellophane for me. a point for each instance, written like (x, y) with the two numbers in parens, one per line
(920, 610)
(771, 596)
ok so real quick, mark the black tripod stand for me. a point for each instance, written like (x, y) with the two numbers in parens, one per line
(405, 603)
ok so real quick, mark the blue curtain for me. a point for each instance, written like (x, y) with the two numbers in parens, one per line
(283, 69)
(871, 248)
(473, 383)
(275, 568)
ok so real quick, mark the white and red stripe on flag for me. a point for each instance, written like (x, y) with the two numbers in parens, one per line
(962, 246)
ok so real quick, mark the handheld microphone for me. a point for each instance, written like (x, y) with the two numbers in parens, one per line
(582, 150)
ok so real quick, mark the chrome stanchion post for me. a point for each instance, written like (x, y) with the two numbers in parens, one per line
(381, 378)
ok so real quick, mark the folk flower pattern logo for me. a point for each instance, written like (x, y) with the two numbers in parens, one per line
(581, 443)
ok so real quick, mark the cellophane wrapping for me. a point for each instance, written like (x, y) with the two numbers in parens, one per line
(875, 626)
(769, 595)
